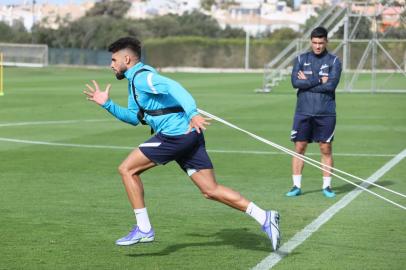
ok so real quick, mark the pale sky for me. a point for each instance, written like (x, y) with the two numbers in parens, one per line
(19, 2)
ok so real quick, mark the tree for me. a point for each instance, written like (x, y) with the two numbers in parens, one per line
(394, 3)
(96, 32)
(310, 22)
(163, 26)
(6, 32)
(45, 36)
(395, 32)
(224, 4)
(229, 32)
(15, 33)
(363, 30)
(198, 24)
(116, 8)
(284, 34)
(207, 4)
(290, 3)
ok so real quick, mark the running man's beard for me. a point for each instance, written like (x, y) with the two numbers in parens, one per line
(120, 75)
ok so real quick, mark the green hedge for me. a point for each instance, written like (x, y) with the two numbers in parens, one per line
(218, 53)
(230, 53)
(204, 52)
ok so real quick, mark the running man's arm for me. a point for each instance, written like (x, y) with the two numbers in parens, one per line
(333, 79)
(302, 84)
(127, 115)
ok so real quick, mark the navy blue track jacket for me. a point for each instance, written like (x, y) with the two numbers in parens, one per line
(313, 97)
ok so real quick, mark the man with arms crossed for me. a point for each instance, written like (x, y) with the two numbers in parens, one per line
(171, 112)
(316, 75)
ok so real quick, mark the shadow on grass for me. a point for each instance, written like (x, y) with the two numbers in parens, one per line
(238, 238)
(338, 189)
(349, 187)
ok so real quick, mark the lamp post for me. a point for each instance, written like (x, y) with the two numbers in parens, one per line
(247, 49)
(33, 20)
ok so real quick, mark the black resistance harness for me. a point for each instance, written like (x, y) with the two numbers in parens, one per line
(142, 111)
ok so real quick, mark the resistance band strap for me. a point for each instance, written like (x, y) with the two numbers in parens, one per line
(142, 111)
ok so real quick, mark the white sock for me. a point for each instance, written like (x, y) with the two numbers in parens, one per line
(326, 181)
(297, 180)
(141, 216)
(257, 213)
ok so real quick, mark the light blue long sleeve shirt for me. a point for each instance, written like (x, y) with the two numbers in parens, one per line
(154, 92)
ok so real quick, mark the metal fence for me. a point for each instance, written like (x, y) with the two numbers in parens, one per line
(80, 57)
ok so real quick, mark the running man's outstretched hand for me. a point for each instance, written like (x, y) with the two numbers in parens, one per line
(95, 95)
(199, 123)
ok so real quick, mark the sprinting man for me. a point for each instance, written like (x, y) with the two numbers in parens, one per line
(171, 112)
(316, 75)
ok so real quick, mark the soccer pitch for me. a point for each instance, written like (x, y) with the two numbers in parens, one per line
(62, 203)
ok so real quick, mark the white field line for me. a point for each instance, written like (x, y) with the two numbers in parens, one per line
(57, 122)
(301, 236)
(51, 122)
(307, 154)
(65, 144)
(209, 150)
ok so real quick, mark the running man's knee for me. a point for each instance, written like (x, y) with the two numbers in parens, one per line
(210, 193)
(206, 182)
(135, 164)
(124, 170)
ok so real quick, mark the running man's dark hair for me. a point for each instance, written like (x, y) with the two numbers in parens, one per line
(130, 43)
(319, 32)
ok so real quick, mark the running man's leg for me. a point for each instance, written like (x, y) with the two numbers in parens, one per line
(269, 220)
(206, 182)
(197, 164)
(130, 170)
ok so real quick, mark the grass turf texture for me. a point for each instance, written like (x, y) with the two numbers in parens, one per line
(63, 207)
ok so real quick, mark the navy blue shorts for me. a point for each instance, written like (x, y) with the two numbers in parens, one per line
(188, 150)
(313, 128)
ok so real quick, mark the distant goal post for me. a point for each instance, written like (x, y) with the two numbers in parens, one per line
(1, 74)
(24, 55)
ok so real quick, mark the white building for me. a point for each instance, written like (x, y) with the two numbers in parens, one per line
(47, 14)
(255, 16)
(150, 8)
(11, 14)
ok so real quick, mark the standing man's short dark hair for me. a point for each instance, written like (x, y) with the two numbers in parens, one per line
(316, 75)
(319, 32)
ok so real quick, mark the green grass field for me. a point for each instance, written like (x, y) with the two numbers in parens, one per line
(62, 204)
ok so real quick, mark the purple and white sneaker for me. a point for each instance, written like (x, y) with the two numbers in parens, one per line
(271, 228)
(136, 236)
